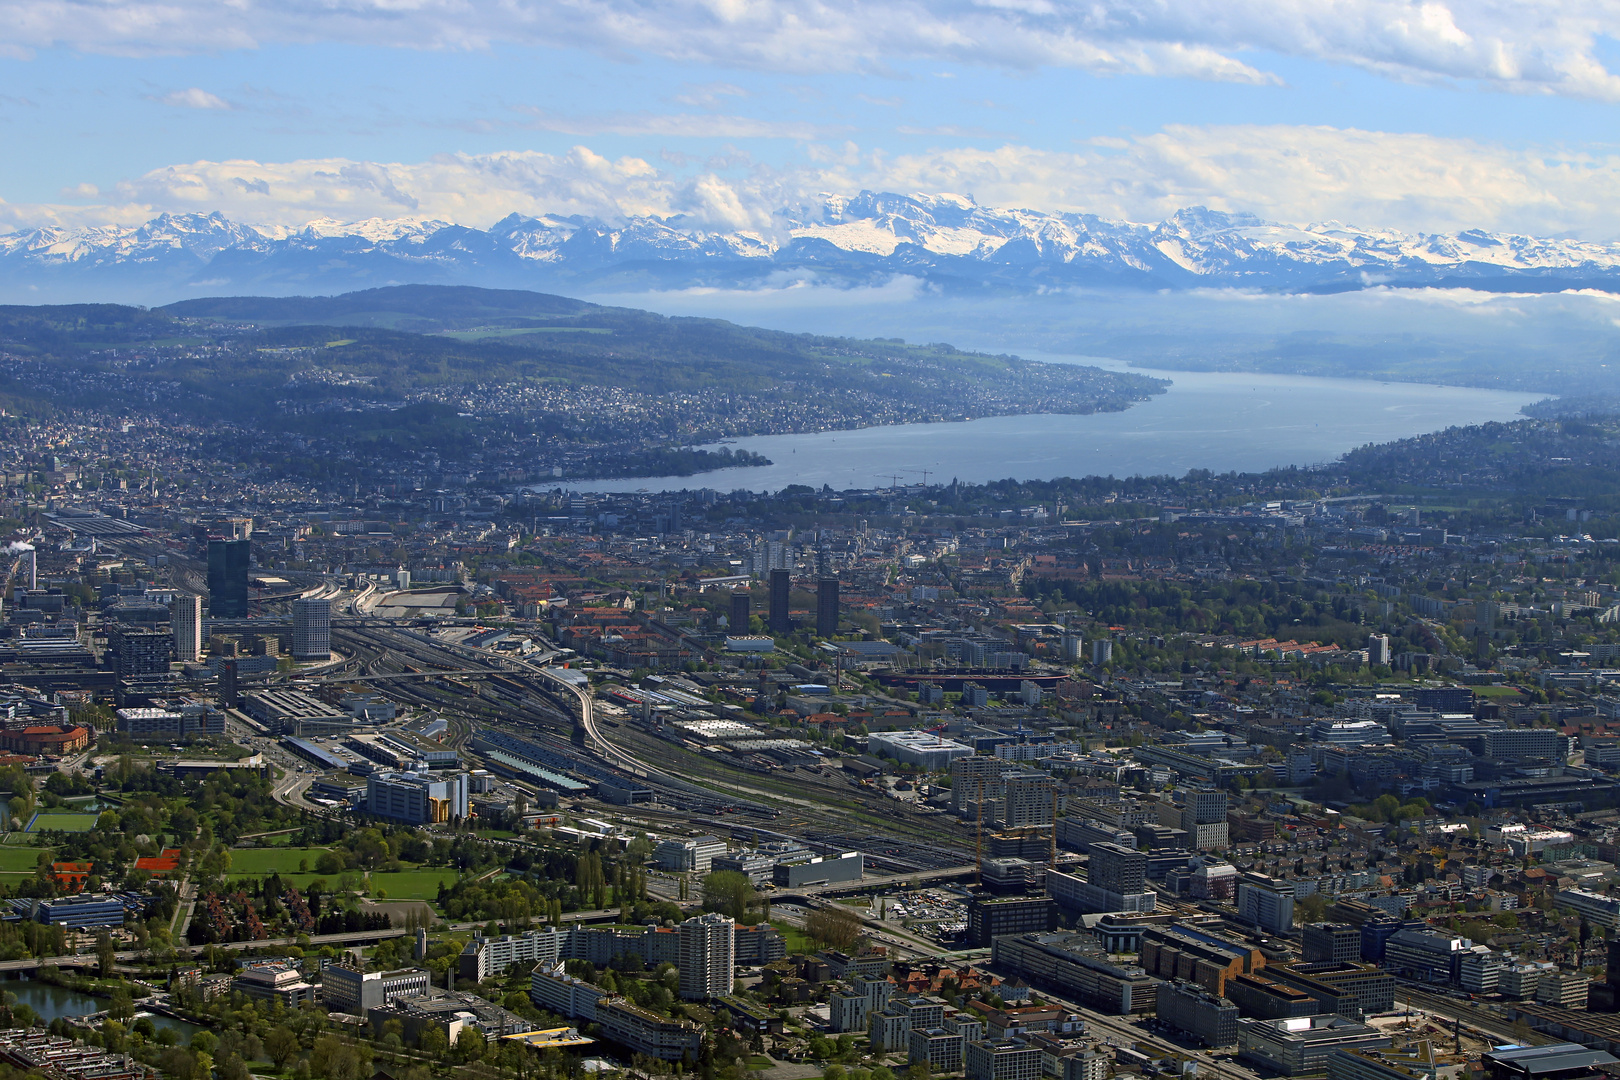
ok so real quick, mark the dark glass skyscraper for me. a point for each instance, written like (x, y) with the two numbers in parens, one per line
(738, 618)
(827, 607)
(228, 579)
(781, 585)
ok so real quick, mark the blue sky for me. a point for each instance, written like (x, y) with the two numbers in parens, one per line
(1381, 113)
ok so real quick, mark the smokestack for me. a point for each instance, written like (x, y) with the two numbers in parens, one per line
(33, 569)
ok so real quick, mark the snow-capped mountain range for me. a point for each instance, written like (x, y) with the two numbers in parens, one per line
(948, 240)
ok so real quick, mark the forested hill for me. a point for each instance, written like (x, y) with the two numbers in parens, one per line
(523, 369)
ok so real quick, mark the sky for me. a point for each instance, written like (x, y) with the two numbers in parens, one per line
(1410, 116)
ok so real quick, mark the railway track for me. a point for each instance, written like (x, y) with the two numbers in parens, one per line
(1470, 1014)
(517, 695)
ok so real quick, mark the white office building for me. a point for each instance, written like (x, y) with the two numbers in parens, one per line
(312, 629)
(187, 620)
(707, 952)
(1266, 903)
(1594, 907)
(696, 855)
(920, 748)
(417, 798)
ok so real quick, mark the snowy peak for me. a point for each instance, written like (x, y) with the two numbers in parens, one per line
(948, 238)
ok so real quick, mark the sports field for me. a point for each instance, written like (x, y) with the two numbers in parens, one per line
(20, 860)
(412, 884)
(63, 822)
(281, 860)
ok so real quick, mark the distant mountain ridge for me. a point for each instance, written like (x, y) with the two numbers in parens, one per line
(947, 240)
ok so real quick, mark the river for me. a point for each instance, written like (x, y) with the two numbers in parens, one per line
(1206, 420)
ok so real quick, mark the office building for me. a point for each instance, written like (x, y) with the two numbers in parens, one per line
(1207, 1017)
(554, 991)
(1599, 909)
(187, 622)
(1117, 868)
(187, 722)
(1565, 989)
(694, 855)
(1010, 1059)
(417, 798)
(821, 870)
(312, 629)
(349, 990)
(937, 1048)
(1029, 800)
(1301, 1045)
(892, 1027)
(1479, 970)
(1378, 654)
(1424, 955)
(136, 652)
(1074, 964)
(1205, 957)
(737, 622)
(642, 1031)
(1266, 903)
(827, 607)
(228, 578)
(1348, 988)
(82, 911)
(1262, 996)
(851, 1008)
(781, 584)
(707, 947)
(989, 919)
(920, 748)
(274, 980)
(975, 778)
(486, 956)
(1331, 943)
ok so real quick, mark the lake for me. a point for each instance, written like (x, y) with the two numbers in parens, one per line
(1206, 420)
(50, 1001)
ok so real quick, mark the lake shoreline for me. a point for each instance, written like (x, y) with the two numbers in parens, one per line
(1226, 422)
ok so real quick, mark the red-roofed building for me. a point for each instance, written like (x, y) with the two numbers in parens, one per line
(46, 739)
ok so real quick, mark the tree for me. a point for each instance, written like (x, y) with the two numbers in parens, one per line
(281, 1044)
(728, 892)
(470, 1044)
(834, 925)
(432, 1041)
(1311, 909)
(233, 1068)
(106, 954)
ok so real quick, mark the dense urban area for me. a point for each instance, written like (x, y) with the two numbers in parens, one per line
(422, 765)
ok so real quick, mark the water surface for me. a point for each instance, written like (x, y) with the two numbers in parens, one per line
(1206, 420)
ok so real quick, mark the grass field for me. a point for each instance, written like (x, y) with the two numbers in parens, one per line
(796, 940)
(63, 822)
(412, 884)
(19, 860)
(399, 885)
(284, 860)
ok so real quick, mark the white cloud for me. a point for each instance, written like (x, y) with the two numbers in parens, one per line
(1298, 174)
(669, 125)
(195, 98)
(1541, 47)
(1413, 183)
